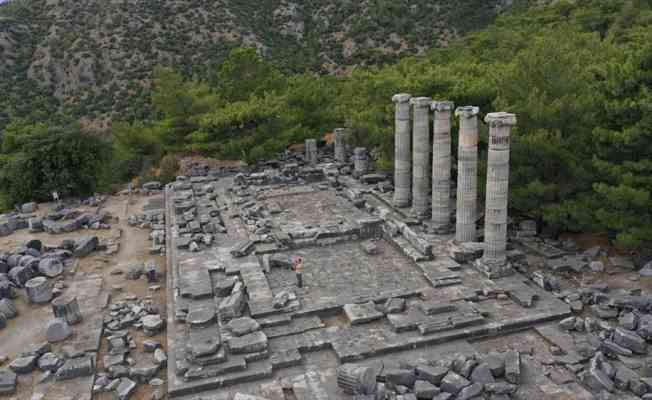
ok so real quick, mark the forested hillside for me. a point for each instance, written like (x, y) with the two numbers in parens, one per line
(94, 59)
(577, 73)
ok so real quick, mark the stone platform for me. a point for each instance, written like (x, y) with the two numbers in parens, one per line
(231, 244)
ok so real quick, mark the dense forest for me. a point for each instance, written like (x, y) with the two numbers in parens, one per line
(577, 73)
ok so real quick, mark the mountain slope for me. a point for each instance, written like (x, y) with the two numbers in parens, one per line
(96, 57)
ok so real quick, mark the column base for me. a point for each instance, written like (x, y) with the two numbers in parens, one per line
(401, 203)
(439, 229)
(465, 252)
(420, 215)
(494, 269)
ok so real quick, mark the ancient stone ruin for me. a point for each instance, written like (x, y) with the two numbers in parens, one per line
(316, 276)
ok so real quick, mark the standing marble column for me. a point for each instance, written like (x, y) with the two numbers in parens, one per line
(360, 162)
(421, 156)
(494, 261)
(441, 165)
(339, 149)
(402, 151)
(467, 174)
(311, 151)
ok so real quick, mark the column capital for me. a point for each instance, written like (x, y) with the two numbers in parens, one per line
(444, 105)
(401, 98)
(499, 119)
(421, 102)
(467, 111)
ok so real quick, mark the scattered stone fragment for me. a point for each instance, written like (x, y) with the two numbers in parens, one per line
(646, 271)
(143, 373)
(250, 343)
(49, 362)
(85, 246)
(125, 388)
(23, 365)
(38, 290)
(443, 396)
(134, 272)
(596, 266)
(482, 374)
(50, 267)
(394, 305)
(8, 308)
(370, 248)
(513, 366)
(567, 324)
(362, 313)
(629, 321)
(433, 374)
(152, 324)
(281, 299)
(453, 383)
(496, 363)
(160, 357)
(149, 345)
(425, 390)
(242, 326)
(75, 368)
(58, 330)
(201, 317)
(500, 388)
(630, 340)
(8, 382)
(470, 391)
(224, 286)
(402, 377)
(595, 377)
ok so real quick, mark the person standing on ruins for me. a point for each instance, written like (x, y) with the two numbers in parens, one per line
(298, 270)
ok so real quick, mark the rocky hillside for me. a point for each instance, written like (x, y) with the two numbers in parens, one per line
(95, 57)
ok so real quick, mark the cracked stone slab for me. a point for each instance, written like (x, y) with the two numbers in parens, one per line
(362, 313)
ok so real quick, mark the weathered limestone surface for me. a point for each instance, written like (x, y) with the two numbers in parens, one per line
(311, 151)
(339, 145)
(402, 151)
(441, 165)
(360, 161)
(494, 259)
(467, 174)
(421, 156)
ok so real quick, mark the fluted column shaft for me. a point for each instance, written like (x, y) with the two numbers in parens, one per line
(339, 149)
(360, 161)
(311, 151)
(441, 164)
(495, 227)
(421, 156)
(402, 151)
(467, 175)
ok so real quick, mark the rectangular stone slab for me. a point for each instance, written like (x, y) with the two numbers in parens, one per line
(251, 343)
(362, 313)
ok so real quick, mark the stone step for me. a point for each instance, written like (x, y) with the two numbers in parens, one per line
(285, 358)
(254, 372)
(449, 323)
(297, 325)
(235, 364)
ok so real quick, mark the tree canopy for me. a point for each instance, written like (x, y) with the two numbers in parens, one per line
(577, 74)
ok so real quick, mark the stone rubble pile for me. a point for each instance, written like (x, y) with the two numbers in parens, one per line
(611, 344)
(129, 363)
(39, 269)
(198, 217)
(48, 364)
(154, 221)
(494, 376)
